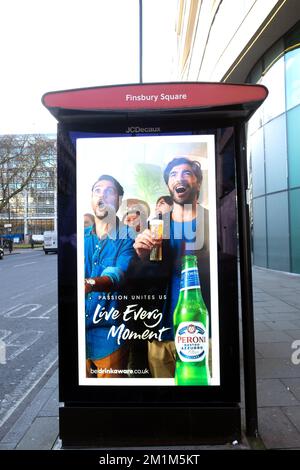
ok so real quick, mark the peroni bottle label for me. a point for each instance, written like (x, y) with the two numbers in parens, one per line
(189, 279)
(191, 341)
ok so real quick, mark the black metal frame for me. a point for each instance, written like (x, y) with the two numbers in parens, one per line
(246, 284)
(209, 404)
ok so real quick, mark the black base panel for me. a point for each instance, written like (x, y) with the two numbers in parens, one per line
(116, 427)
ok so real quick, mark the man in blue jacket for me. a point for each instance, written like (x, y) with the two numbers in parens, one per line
(108, 249)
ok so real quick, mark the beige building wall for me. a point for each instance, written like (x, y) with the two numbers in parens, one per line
(256, 41)
(221, 40)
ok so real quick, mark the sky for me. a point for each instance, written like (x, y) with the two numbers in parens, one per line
(62, 44)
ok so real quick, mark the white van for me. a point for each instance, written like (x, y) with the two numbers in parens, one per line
(50, 242)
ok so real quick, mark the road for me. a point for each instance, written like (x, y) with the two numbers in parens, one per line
(28, 325)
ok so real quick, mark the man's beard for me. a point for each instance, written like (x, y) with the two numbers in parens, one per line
(104, 211)
(190, 197)
(101, 215)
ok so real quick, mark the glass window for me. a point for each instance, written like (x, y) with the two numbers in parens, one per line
(278, 231)
(295, 229)
(274, 81)
(276, 154)
(258, 163)
(293, 138)
(255, 122)
(292, 78)
(259, 232)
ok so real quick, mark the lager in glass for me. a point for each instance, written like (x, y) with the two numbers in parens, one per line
(156, 229)
(191, 328)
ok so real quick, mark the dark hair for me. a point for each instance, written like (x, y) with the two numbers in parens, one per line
(119, 188)
(167, 199)
(194, 164)
(90, 216)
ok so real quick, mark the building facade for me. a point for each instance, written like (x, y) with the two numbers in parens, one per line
(32, 210)
(256, 41)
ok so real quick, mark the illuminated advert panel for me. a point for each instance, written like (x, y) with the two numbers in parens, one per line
(147, 270)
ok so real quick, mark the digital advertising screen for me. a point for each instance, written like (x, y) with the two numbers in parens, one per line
(147, 261)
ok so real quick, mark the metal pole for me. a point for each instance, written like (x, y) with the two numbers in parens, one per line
(246, 284)
(25, 214)
(141, 40)
(55, 209)
(8, 206)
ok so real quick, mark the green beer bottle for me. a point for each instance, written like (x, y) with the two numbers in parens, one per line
(191, 328)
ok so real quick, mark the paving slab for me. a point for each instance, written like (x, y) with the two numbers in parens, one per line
(261, 317)
(263, 297)
(294, 385)
(295, 334)
(291, 299)
(51, 406)
(257, 289)
(279, 307)
(275, 336)
(293, 413)
(276, 430)
(53, 381)
(273, 392)
(41, 435)
(258, 355)
(277, 350)
(7, 446)
(258, 308)
(21, 426)
(276, 368)
(261, 326)
(282, 325)
(282, 316)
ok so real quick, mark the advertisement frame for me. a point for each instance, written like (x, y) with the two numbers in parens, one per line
(229, 390)
(88, 151)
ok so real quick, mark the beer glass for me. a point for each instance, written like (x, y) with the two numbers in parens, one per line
(156, 229)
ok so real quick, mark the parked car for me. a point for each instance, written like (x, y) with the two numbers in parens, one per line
(1, 252)
(50, 242)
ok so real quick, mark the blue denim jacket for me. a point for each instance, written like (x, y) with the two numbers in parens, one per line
(111, 257)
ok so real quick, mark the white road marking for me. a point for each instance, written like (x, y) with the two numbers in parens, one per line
(27, 337)
(19, 295)
(19, 341)
(24, 264)
(42, 285)
(11, 308)
(35, 288)
(12, 401)
(12, 313)
(4, 334)
(2, 352)
(42, 316)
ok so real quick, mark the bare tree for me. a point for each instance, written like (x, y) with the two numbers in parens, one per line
(20, 157)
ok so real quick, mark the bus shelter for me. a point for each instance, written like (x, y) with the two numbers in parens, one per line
(133, 159)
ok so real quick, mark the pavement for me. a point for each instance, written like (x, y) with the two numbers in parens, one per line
(277, 327)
